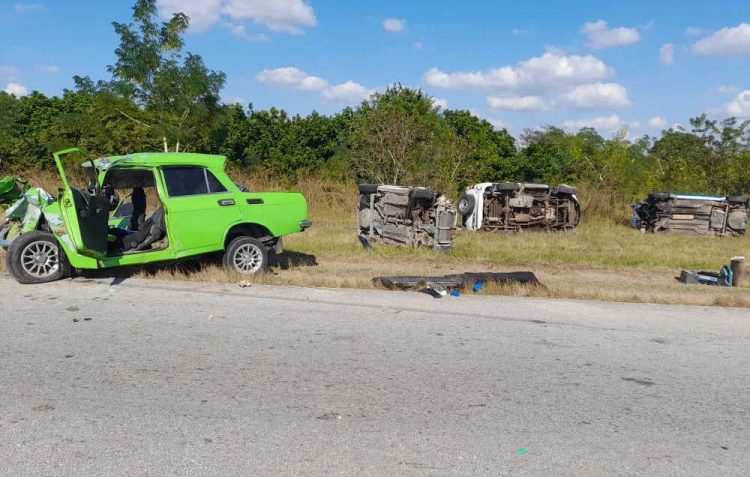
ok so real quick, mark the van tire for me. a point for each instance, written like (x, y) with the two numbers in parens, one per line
(25, 249)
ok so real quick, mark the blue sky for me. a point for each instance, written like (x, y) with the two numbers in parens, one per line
(645, 65)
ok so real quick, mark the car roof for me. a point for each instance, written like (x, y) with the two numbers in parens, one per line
(153, 159)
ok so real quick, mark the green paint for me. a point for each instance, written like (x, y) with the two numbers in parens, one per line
(522, 450)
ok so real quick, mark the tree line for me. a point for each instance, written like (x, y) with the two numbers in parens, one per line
(161, 98)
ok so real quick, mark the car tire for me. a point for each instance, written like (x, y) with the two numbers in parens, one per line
(368, 188)
(36, 257)
(465, 204)
(246, 255)
(423, 193)
(564, 189)
(507, 186)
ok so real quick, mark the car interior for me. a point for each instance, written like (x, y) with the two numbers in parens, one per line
(136, 221)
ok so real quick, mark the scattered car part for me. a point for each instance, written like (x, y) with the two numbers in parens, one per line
(691, 213)
(411, 216)
(463, 280)
(512, 206)
(201, 211)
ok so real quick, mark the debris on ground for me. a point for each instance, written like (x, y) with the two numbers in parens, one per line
(244, 284)
(476, 281)
(736, 274)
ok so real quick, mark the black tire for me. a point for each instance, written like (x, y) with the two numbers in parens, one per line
(565, 189)
(246, 255)
(737, 199)
(423, 193)
(368, 188)
(36, 257)
(465, 204)
(507, 186)
(659, 196)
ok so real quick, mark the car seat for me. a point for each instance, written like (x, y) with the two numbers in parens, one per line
(152, 230)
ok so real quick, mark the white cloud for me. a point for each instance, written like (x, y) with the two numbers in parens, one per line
(517, 103)
(727, 41)
(234, 100)
(740, 106)
(394, 25)
(666, 54)
(287, 16)
(441, 103)
(291, 77)
(241, 32)
(29, 8)
(418, 46)
(610, 124)
(202, 14)
(693, 31)
(657, 122)
(47, 68)
(726, 89)
(596, 96)
(520, 32)
(8, 72)
(599, 35)
(347, 92)
(16, 89)
(551, 70)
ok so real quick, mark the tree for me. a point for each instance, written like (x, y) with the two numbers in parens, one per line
(183, 94)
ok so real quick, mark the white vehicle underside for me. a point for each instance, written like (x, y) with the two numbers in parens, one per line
(512, 206)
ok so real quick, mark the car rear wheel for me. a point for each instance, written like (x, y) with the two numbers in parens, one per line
(246, 255)
(36, 257)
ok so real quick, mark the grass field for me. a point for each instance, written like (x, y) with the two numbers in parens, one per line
(601, 260)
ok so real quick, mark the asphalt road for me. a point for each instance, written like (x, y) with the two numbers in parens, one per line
(162, 378)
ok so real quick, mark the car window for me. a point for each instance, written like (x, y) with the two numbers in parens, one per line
(185, 180)
(213, 183)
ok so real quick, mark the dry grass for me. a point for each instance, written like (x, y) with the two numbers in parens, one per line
(600, 261)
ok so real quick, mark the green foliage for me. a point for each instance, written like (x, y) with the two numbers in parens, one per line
(159, 96)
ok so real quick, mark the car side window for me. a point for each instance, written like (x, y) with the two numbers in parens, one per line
(185, 180)
(213, 183)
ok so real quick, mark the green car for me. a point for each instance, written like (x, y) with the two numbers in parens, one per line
(145, 208)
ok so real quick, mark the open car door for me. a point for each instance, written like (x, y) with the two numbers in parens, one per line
(84, 208)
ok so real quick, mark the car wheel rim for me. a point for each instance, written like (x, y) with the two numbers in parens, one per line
(248, 258)
(40, 259)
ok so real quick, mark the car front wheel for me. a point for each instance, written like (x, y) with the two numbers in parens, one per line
(246, 255)
(36, 257)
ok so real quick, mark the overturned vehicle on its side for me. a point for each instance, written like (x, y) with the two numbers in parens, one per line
(691, 213)
(512, 206)
(411, 216)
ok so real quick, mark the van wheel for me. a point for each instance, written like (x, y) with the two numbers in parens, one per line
(246, 255)
(36, 257)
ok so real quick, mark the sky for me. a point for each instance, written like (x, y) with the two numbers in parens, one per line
(642, 65)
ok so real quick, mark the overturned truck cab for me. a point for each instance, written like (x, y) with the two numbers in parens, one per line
(691, 213)
(513, 206)
(411, 216)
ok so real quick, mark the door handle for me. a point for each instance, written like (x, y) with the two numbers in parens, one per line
(254, 201)
(226, 202)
